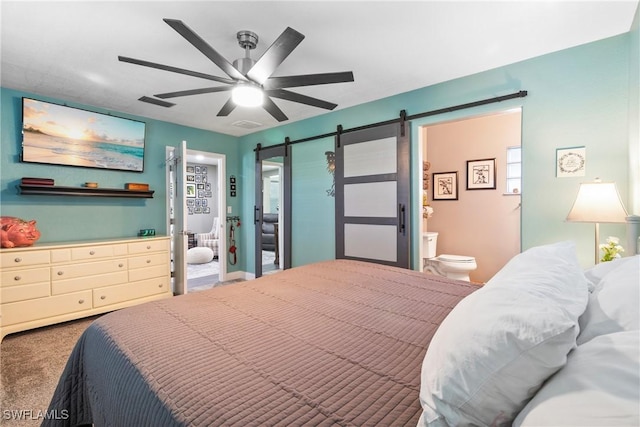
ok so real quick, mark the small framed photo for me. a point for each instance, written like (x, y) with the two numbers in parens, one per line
(570, 162)
(191, 178)
(206, 210)
(197, 169)
(198, 177)
(481, 174)
(207, 186)
(191, 191)
(191, 203)
(445, 186)
(190, 169)
(203, 170)
(232, 179)
(200, 186)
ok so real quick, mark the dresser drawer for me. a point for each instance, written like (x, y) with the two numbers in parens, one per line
(21, 293)
(129, 291)
(91, 252)
(23, 276)
(148, 272)
(149, 246)
(81, 283)
(18, 259)
(69, 271)
(148, 260)
(41, 308)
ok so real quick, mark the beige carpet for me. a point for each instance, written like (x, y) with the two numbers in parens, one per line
(30, 364)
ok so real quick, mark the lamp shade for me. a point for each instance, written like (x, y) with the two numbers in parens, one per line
(597, 202)
(246, 95)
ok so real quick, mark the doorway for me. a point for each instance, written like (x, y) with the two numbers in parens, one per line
(272, 218)
(196, 218)
(480, 222)
(272, 209)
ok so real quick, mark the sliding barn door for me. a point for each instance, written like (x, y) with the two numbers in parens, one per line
(372, 195)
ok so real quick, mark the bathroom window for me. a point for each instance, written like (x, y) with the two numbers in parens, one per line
(514, 170)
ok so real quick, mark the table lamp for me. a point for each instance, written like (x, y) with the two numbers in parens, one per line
(597, 202)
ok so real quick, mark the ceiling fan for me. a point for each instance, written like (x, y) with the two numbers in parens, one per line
(251, 82)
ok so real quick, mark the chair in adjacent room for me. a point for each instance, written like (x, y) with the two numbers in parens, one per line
(212, 238)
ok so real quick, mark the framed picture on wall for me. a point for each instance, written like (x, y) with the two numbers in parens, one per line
(191, 190)
(570, 162)
(445, 186)
(481, 174)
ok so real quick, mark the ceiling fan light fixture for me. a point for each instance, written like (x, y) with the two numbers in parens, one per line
(245, 95)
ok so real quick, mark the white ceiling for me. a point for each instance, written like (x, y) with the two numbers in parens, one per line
(69, 50)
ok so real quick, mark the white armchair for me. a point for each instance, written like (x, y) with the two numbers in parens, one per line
(210, 239)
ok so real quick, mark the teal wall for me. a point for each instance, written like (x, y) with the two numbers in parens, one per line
(577, 97)
(64, 218)
(634, 115)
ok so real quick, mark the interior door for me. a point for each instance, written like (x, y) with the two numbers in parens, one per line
(179, 237)
(283, 156)
(372, 195)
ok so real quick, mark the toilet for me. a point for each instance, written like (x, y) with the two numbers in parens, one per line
(452, 266)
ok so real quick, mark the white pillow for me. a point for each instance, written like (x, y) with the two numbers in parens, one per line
(498, 345)
(614, 304)
(599, 386)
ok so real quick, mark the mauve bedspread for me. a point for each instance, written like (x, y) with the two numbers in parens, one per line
(333, 343)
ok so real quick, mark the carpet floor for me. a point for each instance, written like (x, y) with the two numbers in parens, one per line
(30, 364)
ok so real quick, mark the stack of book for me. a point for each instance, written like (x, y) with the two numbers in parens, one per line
(37, 181)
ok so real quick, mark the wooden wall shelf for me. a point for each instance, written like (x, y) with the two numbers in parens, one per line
(50, 190)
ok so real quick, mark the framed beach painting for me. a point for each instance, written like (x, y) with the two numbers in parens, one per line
(61, 135)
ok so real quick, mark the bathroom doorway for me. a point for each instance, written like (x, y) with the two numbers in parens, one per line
(480, 222)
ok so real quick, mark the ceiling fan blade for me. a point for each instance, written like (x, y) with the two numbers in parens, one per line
(227, 108)
(205, 48)
(308, 80)
(193, 92)
(273, 109)
(302, 99)
(174, 69)
(274, 55)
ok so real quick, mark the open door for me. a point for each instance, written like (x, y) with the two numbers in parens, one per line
(179, 220)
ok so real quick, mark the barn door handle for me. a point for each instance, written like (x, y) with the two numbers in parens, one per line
(256, 214)
(401, 218)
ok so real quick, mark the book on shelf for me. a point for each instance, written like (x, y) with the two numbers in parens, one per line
(136, 186)
(36, 181)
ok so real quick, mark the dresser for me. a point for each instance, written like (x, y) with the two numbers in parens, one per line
(50, 283)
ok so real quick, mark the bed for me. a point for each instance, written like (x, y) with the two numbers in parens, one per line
(334, 343)
(359, 344)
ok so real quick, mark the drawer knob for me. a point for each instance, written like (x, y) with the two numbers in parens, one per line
(92, 253)
(148, 246)
(81, 301)
(103, 297)
(148, 261)
(160, 285)
(17, 278)
(18, 259)
(121, 265)
(60, 273)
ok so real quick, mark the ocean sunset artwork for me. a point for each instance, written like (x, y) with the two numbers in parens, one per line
(57, 134)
